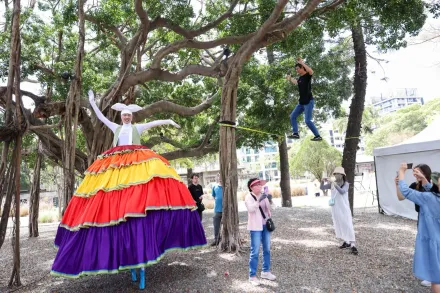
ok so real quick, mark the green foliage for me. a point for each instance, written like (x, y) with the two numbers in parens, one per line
(385, 23)
(314, 157)
(369, 119)
(396, 127)
(266, 98)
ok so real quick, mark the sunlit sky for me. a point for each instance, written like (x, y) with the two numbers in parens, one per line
(417, 66)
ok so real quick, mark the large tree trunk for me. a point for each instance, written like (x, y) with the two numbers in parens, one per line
(14, 74)
(356, 108)
(285, 175)
(72, 111)
(9, 191)
(3, 166)
(34, 198)
(230, 233)
(15, 276)
(284, 157)
(189, 172)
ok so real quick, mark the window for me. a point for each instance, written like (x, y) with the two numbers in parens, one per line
(274, 164)
(248, 151)
(270, 149)
(248, 159)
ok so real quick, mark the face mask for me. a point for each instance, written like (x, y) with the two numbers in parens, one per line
(339, 178)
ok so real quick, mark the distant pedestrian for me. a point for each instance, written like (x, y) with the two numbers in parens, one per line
(197, 193)
(217, 193)
(341, 213)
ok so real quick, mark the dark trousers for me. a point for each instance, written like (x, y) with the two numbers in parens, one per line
(217, 219)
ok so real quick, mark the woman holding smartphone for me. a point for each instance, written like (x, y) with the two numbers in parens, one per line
(421, 180)
(427, 249)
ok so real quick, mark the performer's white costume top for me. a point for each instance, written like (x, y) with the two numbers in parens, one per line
(125, 135)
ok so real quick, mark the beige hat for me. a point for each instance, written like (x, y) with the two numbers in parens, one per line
(339, 170)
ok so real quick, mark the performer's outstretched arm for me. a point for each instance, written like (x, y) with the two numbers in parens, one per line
(99, 114)
(144, 126)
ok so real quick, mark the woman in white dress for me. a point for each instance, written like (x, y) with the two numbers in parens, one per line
(341, 213)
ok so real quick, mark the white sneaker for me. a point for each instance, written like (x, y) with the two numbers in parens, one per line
(425, 283)
(254, 281)
(268, 276)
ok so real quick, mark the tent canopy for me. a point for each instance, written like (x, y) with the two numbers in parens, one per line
(422, 148)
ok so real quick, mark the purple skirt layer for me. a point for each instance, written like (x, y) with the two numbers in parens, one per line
(132, 244)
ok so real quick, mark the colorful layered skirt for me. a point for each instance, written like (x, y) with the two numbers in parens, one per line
(129, 210)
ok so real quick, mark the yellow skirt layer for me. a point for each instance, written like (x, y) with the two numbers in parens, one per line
(116, 179)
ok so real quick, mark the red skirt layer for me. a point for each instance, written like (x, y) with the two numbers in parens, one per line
(111, 208)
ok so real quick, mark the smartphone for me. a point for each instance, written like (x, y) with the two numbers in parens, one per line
(409, 165)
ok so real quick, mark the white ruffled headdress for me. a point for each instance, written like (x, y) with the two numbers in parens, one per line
(130, 109)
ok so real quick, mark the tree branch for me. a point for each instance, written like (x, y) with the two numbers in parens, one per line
(328, 7)
(252, 46)
(53, 145)
(281, 29)
(37, 99)
(170, 107)
(190, 34)
(160, 139)
(290, 23)
(46, 110)
(180, 154)
(86, 125)
(158, 74)
(45, 126)
(122, 39)
(176, 46)
(143, 16)
(209, 134)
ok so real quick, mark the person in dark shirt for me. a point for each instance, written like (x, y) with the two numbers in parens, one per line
(306, 101)
(197, 193)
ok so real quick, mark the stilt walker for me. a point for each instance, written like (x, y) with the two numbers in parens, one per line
(129, 210)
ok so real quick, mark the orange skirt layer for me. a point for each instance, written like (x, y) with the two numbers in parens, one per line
(121, 159)
(111, 208)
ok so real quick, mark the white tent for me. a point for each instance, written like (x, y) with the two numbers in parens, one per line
(422, 148)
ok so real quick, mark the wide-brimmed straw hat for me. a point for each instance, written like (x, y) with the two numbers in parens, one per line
(339, 170)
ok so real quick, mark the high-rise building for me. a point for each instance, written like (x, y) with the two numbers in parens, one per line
(260, 161)
(396, 100)
(337, 139)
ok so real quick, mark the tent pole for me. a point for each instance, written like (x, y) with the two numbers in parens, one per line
(377, 188)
